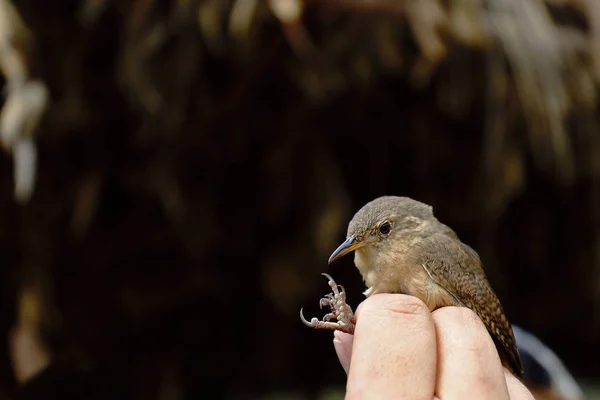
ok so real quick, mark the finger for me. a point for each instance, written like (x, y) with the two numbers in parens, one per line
(468, 363)
(393, 354)
(342, 342)
(516, 389)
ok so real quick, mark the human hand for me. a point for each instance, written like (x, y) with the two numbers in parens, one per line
(400, 350)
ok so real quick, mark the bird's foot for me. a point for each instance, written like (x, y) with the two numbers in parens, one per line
(340, 310)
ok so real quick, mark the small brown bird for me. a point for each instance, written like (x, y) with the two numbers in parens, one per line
(400, 247)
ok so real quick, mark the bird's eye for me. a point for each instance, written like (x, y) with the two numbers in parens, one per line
(385, 228)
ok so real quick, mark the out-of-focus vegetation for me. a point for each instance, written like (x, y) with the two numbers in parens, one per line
(176, 174)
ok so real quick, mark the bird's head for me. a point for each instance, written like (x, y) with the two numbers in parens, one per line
(383, 223)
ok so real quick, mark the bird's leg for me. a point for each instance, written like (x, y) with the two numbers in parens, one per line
(340, 310)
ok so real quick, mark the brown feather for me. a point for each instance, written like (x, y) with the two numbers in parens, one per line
(469, 285)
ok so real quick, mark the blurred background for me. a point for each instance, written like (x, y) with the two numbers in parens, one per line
(176, 173)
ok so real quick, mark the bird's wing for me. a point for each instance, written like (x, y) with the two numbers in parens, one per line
(440, 255)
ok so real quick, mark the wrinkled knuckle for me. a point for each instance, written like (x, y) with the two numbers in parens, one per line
(394, 306)
(407, 305)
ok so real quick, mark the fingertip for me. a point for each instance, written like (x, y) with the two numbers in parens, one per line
(342, 342)
(516, 389)
(343, 337)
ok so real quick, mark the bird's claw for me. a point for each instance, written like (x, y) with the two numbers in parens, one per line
(340, 310)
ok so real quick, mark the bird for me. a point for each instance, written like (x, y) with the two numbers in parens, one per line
(401, 247)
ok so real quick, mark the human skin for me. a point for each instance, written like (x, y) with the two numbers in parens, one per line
(400, 350)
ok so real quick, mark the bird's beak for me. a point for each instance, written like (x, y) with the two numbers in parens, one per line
(349, 245)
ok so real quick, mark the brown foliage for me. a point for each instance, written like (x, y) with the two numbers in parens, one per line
(198, 162)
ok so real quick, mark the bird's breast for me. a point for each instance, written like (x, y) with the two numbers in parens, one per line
(401, 275)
